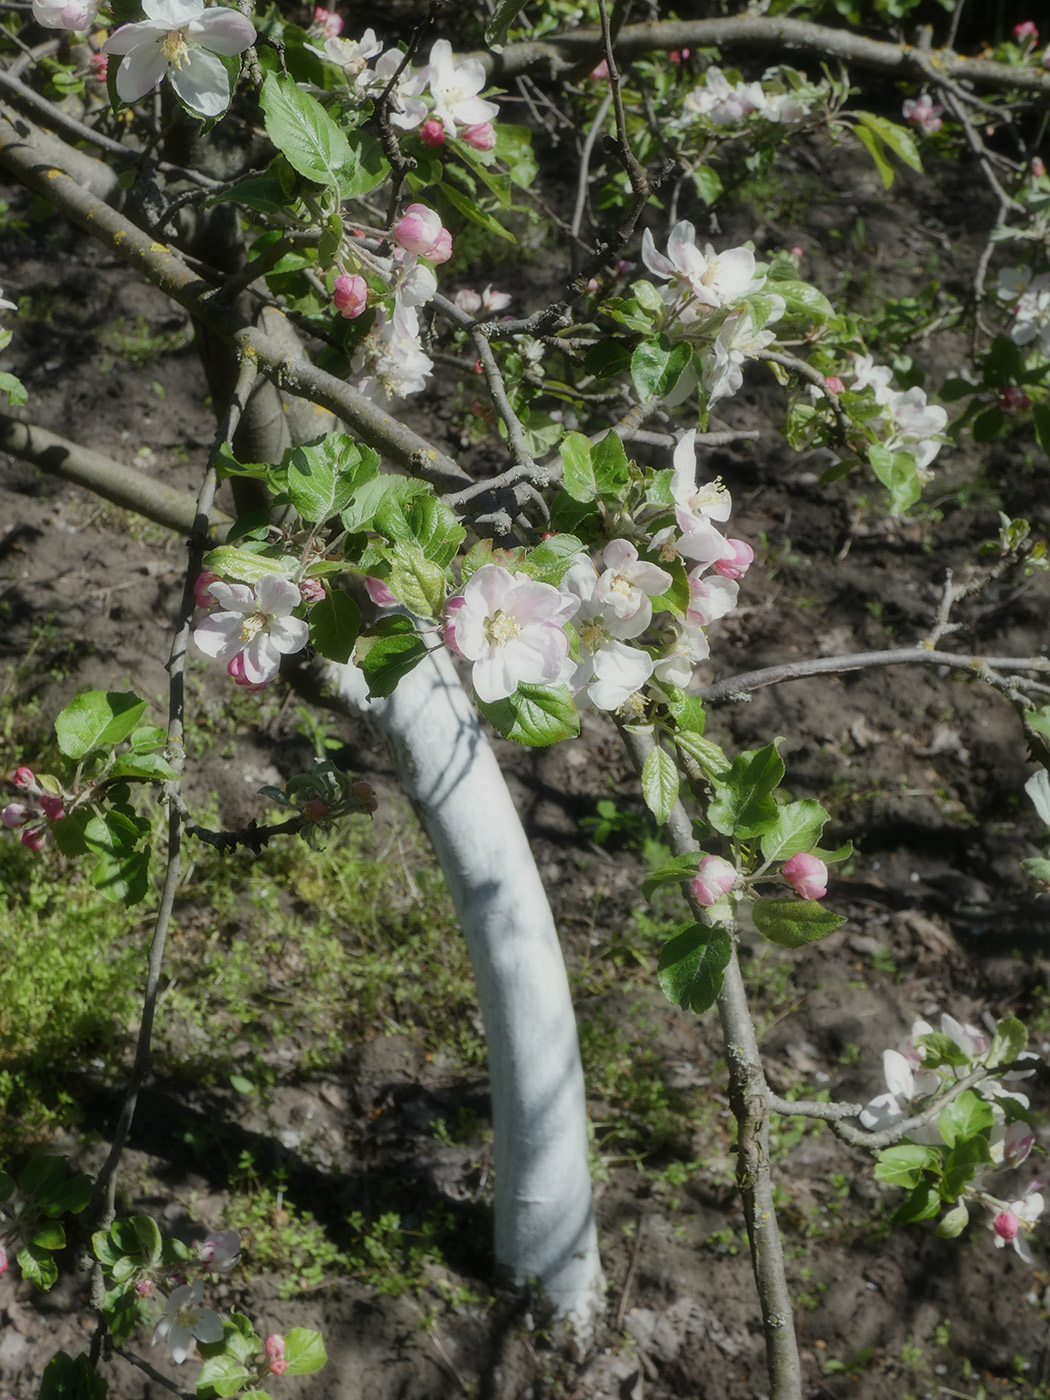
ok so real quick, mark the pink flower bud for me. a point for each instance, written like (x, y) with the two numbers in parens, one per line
(3, 1260)
(1006, 1225)
(330, 24)
(350, 295)
(202, 590)
(417, 230)
(678, 56)
(432, 132)
(274, 1346)
(797, 252)
(144, 1288)
(482, 136)
(1038, 168)
(468, 301)
(311, 590)
(593, 285)
(1025, 30)
(835, 384)
(737, 567)
(1013, 398)
(23, 778)
(33, 837)
(714, 878)
(807, 876)
(602, 71)
(278, 1367)
(379, 593)
(14, 814)
(315, 809)
(441, 249)
(52, 807)
(365, 794)
(235, 670)
(100, 63)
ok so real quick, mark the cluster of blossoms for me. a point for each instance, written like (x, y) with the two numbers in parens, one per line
(1030, 304)
(705, 295)
(923, 113)
(253, 627)
(909, 423)
(723, 103)
(806, 874)
(454, 108)
(911, 1085)
(514, 629)
(35, 810)
(185, 1317)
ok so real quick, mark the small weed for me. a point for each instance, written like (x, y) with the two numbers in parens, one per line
(135, 343)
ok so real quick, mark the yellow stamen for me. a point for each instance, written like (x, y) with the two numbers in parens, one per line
(252, 625)
(175, 48)
(501, 628)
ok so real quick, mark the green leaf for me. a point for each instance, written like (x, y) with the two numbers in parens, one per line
(389, 652)
(577, 468)
(964, 1118)
(470, 210)
(42, 1177)
(692, 964)
(244, 566)
(987, 426)
(115, 833)
(222, 1375)
(1037, 868)
(687, 710)
(146, 767)
(954, 389)
(261, 192)
(897, 472)
(798, 827)
(496, 30)
(37, 1266)
(964, 1161)
(50, 1236)
(68, 1197)
(550, 560)
(304, 1351)
(303, 131)
(744, 805)
(706, 752)
(71, 1378)
(612, 471)
(803, 302)
(657, 366)
(923, 1203)
(124, 881)
(417, 581)
(1008, 1042)
(905, 1164)
(1041, 416)
(898, 138)
(7, 1187)
(335, 625)
(435, 528)
(707, 182)
(366, 168)
(942, 1050)
(97, 719)
(660, 784)
(876, 150)
(318, 484)
(674, 872)
(535, 715)
(792, 923)
(954, 1222)
(151, 1242)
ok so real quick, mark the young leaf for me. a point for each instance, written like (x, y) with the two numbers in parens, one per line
(612, 471)
(792, 923)
(244, 566)
(71, 1378)
(577, 468)
(675, 872)
(657, 366)
(1008, 1042)
(660, 784)
(535, 715)
(300, 127)
(897, 472)
(304, 1351)
(898, 138)
(692, 964)
(389, 652)
(798, 827)
(707, 753)
(417, 581)
(97, 719)
(877, 152)
(954, 1222)
(964, 1160)
(744, 805)
(904, 1165)
(335, 624)
(964, 1118)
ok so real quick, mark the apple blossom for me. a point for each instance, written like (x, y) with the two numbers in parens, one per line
(1006, 1226)
(481, 136)
(77, 15)
(23, 777)
(628, 583)
(714, 878)
(327, 22)
(1012, 398)
(311, 590)
(144, 1288)
(700, 281)
(52, 807)
(807, 875)
(255, 625)
(737, 342)
(512, 628)
(923, 113)
(235, 671)
(221, 1251)
(379, 593)
(351, 55)
(14, 814)
(350, 295)
(278, 1366)
(202, 589)
(1015, 1223)
(419, 231)
(180, 39)
(33, 837)
(609, 670)
(184, 1318)
(100, 63)
(406, 109)
(1027, 29)
(738, 565)
(3, 1260)
(432, 132)
(6, 305)
(601, 71)
(833, 383)
(390, 362)
(455, 87)
(678, 56)
(273, 1347)
(709, 598)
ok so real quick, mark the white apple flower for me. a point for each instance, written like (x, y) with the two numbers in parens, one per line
(1015, 1223)
(704, 281)
(390, 363)
(866, 374)
(628, 583)
(254, 627)
(351, 55)
(609, 671)
(180, 39)
(455, 87)
(184, 1318)
(6, 305)
(914, 425)
(737, 342)
(75, 15)
(512, 628)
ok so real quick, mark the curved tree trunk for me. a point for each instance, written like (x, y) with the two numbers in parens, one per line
(544, 1213)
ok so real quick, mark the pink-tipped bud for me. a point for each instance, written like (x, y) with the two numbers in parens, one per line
(329, 23)
(23, 778)
(432, 132)
(678, 56)
(1012, 398)
(1027, 29)
(1006, 1225)
(1038, 168)
(365, 794)
(737, 567)
(441, 249)
(51, 806)
(202, 590)
(100, 63)
(14, 814)
(602, 71)
(235, 670)
(417, 230)
(797, 252)
(274, 1346)
(714, 878)
(482, 136)
(350, 295)
(3, 1260)
(311, 590)
(468, 300)
(835, 384)
(379, 593)
(144, 1288)
(33, 837)
(807, 876)
(278, 1367)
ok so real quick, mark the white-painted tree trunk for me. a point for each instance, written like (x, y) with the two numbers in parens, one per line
(543, 1206)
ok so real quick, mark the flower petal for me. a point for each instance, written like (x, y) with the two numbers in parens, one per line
(203, 84)
(223, 31)
(141, 71)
